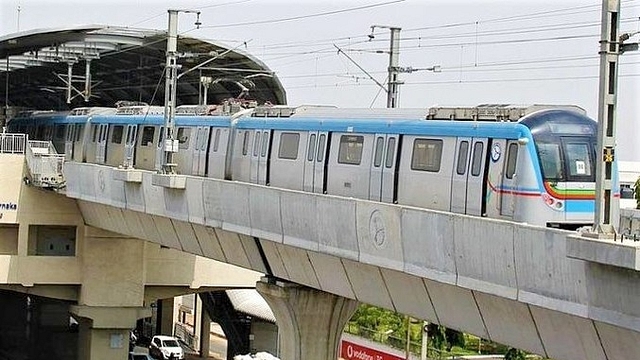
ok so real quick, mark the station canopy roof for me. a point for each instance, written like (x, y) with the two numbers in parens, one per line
(124, 64)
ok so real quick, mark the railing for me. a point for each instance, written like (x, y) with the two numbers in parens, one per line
(12, 143)
(184, 333)
(45, 165)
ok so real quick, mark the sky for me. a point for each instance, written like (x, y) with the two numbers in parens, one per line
(487, 51)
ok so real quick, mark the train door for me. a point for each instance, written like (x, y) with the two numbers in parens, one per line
(199, 158)
(68, 143)
(130, 145)
(509, 180)
(467, 180)
(459, 176)
(101, 147)
(80, 143)
(383, 168)
(255, 157)
(475, 177)
(313, 178)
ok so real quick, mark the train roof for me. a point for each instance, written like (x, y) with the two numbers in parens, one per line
(482, 112)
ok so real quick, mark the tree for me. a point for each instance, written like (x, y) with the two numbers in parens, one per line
(514, 354)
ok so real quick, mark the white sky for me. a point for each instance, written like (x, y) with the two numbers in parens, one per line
(501, 51)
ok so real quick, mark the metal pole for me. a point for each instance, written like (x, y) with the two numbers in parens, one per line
(87, 80)
(394, 54)
(609, 52)
(169, 146)
(69, 81)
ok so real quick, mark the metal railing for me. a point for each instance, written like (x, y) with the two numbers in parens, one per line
(45, 164)
(12, 143)
(184, 333)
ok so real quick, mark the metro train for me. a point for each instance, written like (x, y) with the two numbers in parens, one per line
(533, 164)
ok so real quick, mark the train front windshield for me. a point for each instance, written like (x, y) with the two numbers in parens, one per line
(566, 143)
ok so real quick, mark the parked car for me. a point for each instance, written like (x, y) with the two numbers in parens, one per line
(140, 356)
(165, 348)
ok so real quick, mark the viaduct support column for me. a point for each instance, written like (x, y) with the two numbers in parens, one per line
(111, 295)
(310, 321)
(205, 332)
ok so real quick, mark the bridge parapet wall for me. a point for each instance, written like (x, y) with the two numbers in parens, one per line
(469, 273)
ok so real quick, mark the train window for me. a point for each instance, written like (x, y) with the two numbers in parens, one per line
(256, 143)
(147, 136)
(512, 159)
(289, 146)
(550, 161)
(463, 153)
(391, 149)
(245, 143)
(216, 141)
(427, 154)
(350, 151)
(265, 143)
(577, 154)
(116, 135)
(183, 137)
(321, 142)
(377, 159)
(476, 164)
(312, 147)
(59, 133)
(79, 129)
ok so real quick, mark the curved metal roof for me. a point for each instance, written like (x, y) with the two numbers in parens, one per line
(124, 64)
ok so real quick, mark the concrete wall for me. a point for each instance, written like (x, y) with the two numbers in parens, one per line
(503, 281)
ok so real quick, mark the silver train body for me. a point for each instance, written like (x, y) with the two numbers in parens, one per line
(533, 164)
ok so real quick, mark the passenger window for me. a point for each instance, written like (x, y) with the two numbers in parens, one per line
(265, 143)
(427, 155)
(116, 135)
(216, 141)
(183, 137)
(312, 147)
(463, 152)
(321, 142)
(377, 159)
(350, 151)
(79, 129)
(391, 149)
(245, 143)
(512, 159)
(256, 143)
(289, 146)
(59, 133)
(476, 164)
(147, 136)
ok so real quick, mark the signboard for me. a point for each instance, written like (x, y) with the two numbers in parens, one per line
(351, 351)
(10, 184)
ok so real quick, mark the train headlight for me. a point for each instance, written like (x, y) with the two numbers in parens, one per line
(552, 202)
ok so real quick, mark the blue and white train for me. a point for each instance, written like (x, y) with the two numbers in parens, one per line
(532, 164)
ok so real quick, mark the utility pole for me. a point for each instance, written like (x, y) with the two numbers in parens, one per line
(171, 144)
(394, 55)
(609, 53)
(394, 69)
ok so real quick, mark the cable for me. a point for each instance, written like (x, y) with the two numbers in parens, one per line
(198, 7)
(272, 21)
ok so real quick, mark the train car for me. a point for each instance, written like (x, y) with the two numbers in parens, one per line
(533, 164)
(539, 169)
(41, 125)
